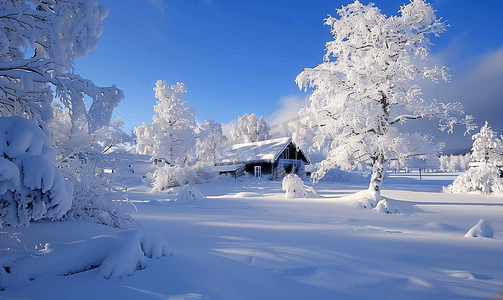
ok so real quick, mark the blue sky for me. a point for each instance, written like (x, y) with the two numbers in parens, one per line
(239, 57)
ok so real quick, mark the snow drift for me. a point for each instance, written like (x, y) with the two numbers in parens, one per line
(115, 255)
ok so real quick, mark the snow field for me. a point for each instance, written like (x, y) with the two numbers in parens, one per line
(245, 240)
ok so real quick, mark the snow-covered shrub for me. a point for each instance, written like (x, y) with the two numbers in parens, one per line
(482, 179)
(91, 193)
(482, 229)
(293, 186)
(190, 192)
(31, 187)
(166, 177)
(82, 156)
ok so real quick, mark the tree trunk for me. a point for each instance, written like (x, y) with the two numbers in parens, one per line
(377, 173)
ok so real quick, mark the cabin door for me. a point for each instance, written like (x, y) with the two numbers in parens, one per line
(258, 171)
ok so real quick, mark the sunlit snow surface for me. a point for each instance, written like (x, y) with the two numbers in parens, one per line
(246, 240)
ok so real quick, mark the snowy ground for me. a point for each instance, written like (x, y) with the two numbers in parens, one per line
(247, 241)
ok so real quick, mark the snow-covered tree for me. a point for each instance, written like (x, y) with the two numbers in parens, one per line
(53, 33)
(453, 163)
(487, 147)
(210, 141)
(485, 175)
(172, 135)
(367, 85)
(57, 32)
(250, 129)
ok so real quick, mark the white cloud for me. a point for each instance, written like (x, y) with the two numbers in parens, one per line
(288, 112)
(478, 87)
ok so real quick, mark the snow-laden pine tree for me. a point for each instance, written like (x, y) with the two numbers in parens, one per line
(366, 86)
(250, 129)
(210, 141)
(487, 147)
(172, 135)
(484, 175)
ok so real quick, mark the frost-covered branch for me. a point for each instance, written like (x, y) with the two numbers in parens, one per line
(58, 32)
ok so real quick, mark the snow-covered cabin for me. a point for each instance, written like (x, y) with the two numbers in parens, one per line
(274, 158)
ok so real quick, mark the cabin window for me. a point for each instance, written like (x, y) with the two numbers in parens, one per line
(258, 171)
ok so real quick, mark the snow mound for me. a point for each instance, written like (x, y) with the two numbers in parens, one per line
(114, 255)
(190, 192)
(367, 199)
(384, 206)
(482, 229)
(247, 195)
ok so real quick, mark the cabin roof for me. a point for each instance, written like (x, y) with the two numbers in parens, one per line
(263, 151)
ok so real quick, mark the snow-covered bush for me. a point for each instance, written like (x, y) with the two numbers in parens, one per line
(91, 202)
(82, 156)
(190, 192)
(481, 179)
(482, 229)
(31, 187)
(293, 186)
(250, 129)
(166, 176)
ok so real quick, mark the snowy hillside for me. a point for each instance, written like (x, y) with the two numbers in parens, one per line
(246, 240)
